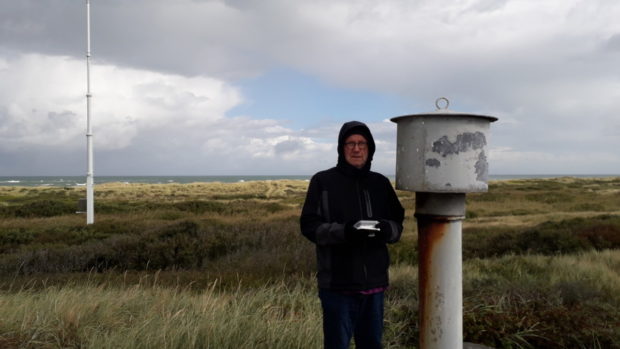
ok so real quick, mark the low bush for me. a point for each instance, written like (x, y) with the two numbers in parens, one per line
(550, 197)
(566, 236)
(266, 248)
(39, 208)
(178, 245)
(543, 301)
(199, 207)
(588, 206)
(525, 318)
(531, 301)
(14, 237)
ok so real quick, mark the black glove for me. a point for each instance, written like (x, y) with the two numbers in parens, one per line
(385, 230)
(352, 234)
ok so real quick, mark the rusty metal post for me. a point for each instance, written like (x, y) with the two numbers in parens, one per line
(441, 155)
(439, 219)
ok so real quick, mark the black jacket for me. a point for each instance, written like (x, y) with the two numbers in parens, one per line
(340, 195)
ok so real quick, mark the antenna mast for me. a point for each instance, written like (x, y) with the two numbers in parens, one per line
(90, 197)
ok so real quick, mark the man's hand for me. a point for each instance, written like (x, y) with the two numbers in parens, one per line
(385, 230)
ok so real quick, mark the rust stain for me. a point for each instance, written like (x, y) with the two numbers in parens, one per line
(431, 230)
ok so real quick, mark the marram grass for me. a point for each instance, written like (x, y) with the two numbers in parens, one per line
(87, 316)
(509, 302)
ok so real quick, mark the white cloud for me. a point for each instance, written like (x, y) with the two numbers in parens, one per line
(46, 105)
(40, 100)
(150, 120)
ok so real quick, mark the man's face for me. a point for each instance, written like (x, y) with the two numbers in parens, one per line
(356, 150)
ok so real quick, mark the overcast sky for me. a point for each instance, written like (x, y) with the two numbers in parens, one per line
(208, 87)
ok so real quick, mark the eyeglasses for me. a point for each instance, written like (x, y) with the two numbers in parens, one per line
(360, 145)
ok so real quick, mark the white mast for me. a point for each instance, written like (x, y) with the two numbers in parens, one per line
(90, 197)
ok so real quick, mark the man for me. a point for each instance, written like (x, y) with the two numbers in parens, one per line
(352, 261)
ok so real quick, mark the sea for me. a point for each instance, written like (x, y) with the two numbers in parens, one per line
(76, 181)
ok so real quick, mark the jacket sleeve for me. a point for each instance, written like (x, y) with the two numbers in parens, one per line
(396, 214)
(315, 222)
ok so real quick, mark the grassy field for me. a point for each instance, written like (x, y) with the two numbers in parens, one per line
(212, 265)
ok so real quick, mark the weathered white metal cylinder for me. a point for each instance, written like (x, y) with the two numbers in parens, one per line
(441, 156)
(442, 152)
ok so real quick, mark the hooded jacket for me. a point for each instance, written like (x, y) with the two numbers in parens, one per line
(347, 194)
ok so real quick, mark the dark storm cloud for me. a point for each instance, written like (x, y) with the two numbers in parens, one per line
(54, 27)
(185, 37)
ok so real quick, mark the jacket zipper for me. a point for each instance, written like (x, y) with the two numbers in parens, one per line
(359, 198)
(359, 201)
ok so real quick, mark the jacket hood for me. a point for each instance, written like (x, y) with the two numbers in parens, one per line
(350, 128)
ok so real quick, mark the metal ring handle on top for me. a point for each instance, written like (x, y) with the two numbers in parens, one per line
(440, 99)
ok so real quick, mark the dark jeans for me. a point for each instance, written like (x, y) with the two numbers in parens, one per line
(357, 315)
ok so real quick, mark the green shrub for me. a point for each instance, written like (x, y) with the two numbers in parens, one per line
(588, 206)
(170, 215)
(199, 207)
(111, 227)
(106, 207)
(41, 208)
(174, 246)
(548, 238)
(471, 214)
(550, 197)
(536, 316)
(601, 236)
(491, 196)
(14, 237)
(262, 247)
(273, 207)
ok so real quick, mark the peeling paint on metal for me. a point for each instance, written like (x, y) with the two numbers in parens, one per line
(464, 142)
(482, 167)
(433, 163)
(436, 321)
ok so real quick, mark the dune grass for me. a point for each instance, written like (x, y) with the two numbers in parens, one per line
(511, 302)
(89, 316)
(213, 265)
